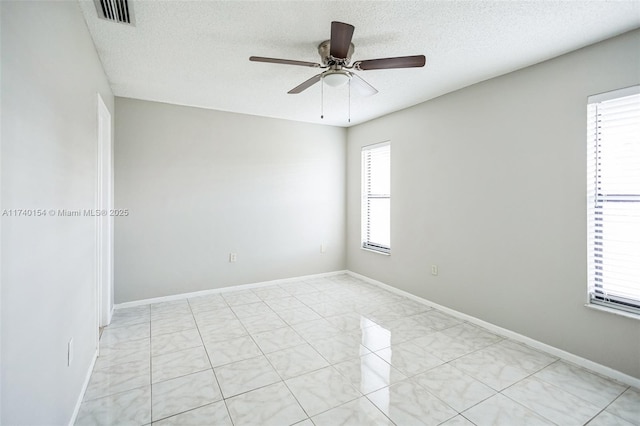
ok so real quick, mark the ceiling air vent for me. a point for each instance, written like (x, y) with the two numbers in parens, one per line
(115, 11)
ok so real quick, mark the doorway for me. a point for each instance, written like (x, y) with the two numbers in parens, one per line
(104, 220)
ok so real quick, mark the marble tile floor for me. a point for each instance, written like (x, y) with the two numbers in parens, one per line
(332, 351)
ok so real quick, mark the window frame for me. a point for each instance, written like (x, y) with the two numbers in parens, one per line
(597, 295)
(365, 196)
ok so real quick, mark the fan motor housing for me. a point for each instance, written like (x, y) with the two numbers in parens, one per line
(325, 47)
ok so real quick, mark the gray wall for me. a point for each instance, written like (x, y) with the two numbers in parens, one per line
(489, 184)
(200, 184)
(50, 78)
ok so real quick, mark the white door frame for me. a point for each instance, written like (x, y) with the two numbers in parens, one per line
(104, 220)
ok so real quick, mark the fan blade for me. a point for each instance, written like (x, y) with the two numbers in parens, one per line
(284, 61)
(304, 86)
(341, 35)
(362, 86)
(386, 63)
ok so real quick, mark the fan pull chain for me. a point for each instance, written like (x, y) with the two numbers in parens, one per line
(321, 99)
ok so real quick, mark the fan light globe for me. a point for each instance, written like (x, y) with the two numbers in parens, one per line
(336, 79)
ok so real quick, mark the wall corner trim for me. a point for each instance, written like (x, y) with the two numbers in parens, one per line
(564, 355)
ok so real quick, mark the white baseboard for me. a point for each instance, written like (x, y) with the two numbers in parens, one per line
(224, 290)
(567, 356)
(76, 410)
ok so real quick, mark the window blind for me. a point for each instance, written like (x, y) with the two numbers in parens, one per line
(376, 197)
(613, 197)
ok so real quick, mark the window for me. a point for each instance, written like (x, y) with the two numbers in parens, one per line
(613, 197)
(376, 197)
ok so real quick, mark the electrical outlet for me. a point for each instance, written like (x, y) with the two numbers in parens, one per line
(233, 257)
(434, 269)
(323, 248)
(69, 352)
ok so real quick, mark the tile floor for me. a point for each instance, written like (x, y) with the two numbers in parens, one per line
(332, 351)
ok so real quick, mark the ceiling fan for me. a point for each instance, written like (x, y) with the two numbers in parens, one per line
(336, 56)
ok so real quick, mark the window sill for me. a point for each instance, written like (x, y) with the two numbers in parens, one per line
(375, 251)
(612, 311)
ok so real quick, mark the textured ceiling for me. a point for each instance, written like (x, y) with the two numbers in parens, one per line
(197, 52)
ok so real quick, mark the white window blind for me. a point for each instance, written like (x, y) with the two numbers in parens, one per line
(613, 197)
(376, 197)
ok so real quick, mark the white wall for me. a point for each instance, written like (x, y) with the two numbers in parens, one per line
(200, 184)
(1, 207)
(489, 184)
(51, 75)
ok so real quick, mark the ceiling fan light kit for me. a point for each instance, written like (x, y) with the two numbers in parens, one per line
(336, 78)
(335, 55)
